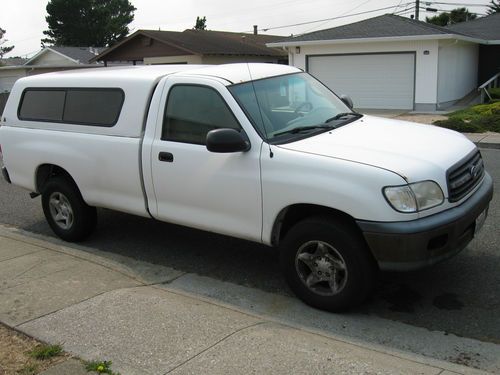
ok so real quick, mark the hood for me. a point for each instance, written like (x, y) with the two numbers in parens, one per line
(414, 151)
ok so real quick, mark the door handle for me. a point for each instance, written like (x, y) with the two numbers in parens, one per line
(166, 157)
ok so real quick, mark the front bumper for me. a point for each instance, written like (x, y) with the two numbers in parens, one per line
(409, 245)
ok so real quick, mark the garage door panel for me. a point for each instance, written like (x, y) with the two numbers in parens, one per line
(384, 81)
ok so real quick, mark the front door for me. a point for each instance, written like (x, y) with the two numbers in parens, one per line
(212, 191)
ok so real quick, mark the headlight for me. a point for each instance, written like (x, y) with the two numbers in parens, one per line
(414, 197)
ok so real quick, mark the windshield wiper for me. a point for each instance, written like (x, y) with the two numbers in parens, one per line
(343, 114)
(305, 128)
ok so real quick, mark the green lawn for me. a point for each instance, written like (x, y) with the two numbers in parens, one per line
(476, 119)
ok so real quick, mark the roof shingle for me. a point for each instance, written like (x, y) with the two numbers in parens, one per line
(80, 54)
(487, 28)
(208, 42)
(390, 25)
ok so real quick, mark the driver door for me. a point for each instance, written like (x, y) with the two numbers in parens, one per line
(218, 192)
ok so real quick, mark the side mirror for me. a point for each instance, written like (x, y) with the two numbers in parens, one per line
(227, 140)
(347, 101)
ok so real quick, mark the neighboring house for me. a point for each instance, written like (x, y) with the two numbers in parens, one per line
(12, 61)
(392, 62)
(193, 47)
(49, 59)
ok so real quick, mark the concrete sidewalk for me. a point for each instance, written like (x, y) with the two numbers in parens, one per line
(485, 140)
(99, 309)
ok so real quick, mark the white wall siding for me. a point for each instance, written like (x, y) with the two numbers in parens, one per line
(458, 62)
(426, 67)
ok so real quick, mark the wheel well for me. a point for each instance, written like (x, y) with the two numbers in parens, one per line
(291, 215)
(46, 171)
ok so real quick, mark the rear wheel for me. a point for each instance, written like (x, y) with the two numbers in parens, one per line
(327, 264)
(65, 210)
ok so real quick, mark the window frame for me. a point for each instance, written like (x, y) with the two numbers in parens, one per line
(241, 130)
(65, 90)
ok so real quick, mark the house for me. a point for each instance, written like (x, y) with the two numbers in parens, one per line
(49, 59)
(488, 30)
(12, 61)
(193, 47)
(392, 62)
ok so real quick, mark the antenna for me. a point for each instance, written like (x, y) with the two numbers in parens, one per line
(260, 110)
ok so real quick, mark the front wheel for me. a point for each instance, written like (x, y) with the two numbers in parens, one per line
(65, 210)
(327, 264)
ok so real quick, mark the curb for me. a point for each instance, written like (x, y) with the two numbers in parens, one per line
(494, 146)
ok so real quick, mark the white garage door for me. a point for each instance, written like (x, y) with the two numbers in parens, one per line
(379, 81)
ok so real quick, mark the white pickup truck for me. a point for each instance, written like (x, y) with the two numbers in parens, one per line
(256, 151)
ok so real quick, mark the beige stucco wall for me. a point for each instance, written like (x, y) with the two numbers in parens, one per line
(237, 59)
(195, 59)
(185, 59)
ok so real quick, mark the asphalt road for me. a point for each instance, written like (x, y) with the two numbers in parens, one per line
(460, 296)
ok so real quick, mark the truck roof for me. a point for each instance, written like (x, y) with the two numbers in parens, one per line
(149, 74)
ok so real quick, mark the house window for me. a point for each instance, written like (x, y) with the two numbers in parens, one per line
(192, 111)
(80, 106)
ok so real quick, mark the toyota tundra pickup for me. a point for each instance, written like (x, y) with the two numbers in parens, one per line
(261, 152)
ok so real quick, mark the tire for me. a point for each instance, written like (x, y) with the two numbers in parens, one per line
(65, 210)
(327, 264)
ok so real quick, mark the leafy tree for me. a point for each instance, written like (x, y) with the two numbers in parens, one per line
(441, 19)
(201, 23)
(97, 23)
(493, 7)
(455, 16)
(4, 50)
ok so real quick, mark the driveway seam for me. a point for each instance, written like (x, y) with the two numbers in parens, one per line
(213, 345)
(56, 311)
(36, 278)
(19, 256)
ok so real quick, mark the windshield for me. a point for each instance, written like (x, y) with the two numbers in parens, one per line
(291, 105)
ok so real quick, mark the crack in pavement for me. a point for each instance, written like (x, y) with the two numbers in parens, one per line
(214, 345)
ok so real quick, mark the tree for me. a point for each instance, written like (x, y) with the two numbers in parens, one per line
(201, 23)
(455, 16)
(493, 7)
(98, 23)
(4, 50)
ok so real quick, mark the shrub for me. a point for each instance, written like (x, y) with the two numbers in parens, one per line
(495, 93)
(476, 119)
(459, 125)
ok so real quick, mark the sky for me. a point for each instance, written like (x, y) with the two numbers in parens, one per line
(24, 20)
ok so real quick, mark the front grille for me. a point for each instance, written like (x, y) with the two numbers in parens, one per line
(462, 178)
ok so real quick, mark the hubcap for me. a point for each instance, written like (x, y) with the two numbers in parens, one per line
(60, 210)
(321, 268)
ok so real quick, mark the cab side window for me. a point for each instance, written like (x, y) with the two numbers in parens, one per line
(192, 111)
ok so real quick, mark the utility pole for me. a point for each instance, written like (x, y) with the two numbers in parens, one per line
(417, 9)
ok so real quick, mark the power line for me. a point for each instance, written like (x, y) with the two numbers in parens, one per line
(327, 19)
(349, 11)
(397, 6)
(457, 4)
